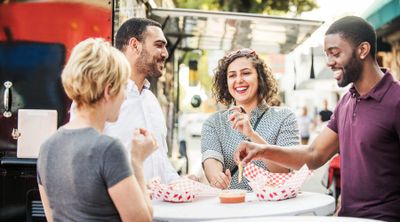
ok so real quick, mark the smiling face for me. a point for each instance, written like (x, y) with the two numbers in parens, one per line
(342, 59)
(154, 52)
(242, 81)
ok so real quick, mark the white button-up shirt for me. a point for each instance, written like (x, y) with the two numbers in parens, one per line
(142, 110)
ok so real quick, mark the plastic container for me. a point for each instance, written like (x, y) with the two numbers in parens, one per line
(232, 196)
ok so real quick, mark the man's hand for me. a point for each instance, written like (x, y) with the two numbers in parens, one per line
(248, 151)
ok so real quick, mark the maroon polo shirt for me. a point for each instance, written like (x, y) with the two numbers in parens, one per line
(368, 128)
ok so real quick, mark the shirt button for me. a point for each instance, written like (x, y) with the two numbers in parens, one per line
(354, 114)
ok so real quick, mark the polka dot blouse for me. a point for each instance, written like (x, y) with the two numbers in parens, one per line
(219, 140)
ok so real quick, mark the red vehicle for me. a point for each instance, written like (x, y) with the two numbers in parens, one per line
(35, 41)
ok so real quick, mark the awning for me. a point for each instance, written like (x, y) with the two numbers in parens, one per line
(381, 15)
(324, 81)
(190, 29)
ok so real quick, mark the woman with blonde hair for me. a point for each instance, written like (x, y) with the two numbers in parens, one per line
(245, 82)
(84, 175)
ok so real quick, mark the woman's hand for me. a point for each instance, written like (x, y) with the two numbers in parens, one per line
(193, 177)
(213, 170)
(240, 121)
(143, 144)
(221, 180)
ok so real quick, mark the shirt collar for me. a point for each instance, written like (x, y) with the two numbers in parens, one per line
(379, 90)
(261, 107)
(259, 110)
(132, 87)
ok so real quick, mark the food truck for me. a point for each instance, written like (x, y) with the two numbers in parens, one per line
(36, 38)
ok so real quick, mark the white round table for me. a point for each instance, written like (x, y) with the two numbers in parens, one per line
(209, 208)
(299, 219)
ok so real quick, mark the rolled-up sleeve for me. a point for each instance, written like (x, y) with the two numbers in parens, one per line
(289, 131)
(210, 143)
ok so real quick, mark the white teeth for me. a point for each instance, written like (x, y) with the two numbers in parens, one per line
(337, 73)
(241, 88)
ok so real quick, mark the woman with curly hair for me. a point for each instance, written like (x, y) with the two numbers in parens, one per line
(243, 81)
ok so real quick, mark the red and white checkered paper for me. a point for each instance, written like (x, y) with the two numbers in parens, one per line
(275, 186)
(181, 190)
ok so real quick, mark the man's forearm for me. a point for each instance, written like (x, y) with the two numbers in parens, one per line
(290, 157)
(324, 146)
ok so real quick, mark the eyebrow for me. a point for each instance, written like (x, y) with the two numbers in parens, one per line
(330, 49)
(244, 69)
(161, 41)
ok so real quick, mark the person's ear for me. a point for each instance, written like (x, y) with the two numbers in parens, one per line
(363, 50)
(135, 45)
(106, 94)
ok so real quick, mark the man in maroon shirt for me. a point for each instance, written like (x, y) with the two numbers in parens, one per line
(365, 125)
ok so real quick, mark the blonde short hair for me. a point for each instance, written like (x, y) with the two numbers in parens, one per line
(93, 65)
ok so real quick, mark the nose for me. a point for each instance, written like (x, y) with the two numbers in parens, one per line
(330, 62)
(239, 78)
(164, 53)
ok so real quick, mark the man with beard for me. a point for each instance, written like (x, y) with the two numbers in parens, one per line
(365, 127)
(143, 43)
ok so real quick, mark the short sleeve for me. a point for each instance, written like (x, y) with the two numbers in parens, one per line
(289, 131)
(39, 181)
(210, 144)
(397, 121)
(332, 124)
(116, 166)
(39, 163)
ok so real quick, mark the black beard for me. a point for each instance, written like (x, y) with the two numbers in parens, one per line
(149, 68)
(352, 71)
(154, 71)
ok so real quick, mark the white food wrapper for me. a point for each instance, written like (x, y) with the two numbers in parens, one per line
(275, 186)
(181, 190)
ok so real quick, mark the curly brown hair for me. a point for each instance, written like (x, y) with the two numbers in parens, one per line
(267, 85)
